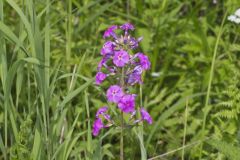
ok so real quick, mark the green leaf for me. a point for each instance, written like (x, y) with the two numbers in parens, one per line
(35, 155)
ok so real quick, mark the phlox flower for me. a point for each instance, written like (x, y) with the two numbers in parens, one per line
(127, 103)
(110, 32)
(114, 93)
(121, 58)
(145, 115)
(97, 126)
(108, 48)
(144, 61)
(126, 27)
(100, 76)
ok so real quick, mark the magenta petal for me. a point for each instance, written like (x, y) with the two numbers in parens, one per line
(108, 48)
(97, 126)
(114, 93)
(135, 76)
(144, 61)
(100, 76)
(121, 58)
(110, 32)
(127, 103)
(145, 115)
(103, 62)
(101, 110)
(127, 26)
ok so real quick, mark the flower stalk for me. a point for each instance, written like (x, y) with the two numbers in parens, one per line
(121, 140)
(122, 120)
(118, 65)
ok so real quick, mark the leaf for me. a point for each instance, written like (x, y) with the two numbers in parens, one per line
(230, 151)
(74, 93)
(12, 37)
(35, 155)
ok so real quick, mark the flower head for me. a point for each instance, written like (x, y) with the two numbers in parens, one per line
(127, 26)
(97, 126)
(144, 61)
(110, 32)
(133, 43)
(127, 103)
(114, 93)
(108, 48)
(101, 110)
(100, 76)
(103, 61)
(145, 115)
(135, 76)
(120, 58)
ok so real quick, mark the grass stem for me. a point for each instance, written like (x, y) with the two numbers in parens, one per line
(185, 128)
(121, 140)
(122, 120)
(206, 108)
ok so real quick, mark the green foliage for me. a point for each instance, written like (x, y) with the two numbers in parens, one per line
(230, 107)
(230, 152)
(22, 147)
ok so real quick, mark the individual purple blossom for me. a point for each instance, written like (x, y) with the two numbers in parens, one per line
(108, 48)
(121, 58)
(135, 76)
(114, 93)
(133, 43)
(126, 27)
(100, 76)
(110, 32)
(101, 110)
(103, 62)
(145, 115)
(127, 103)
(97, 126)
(144, 61)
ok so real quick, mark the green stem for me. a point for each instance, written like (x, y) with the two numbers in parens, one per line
(69, 36)
(185, 128)
(121, 140)
(122, 120)
(206, 108)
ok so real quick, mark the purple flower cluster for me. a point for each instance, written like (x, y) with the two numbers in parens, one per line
(120, 65)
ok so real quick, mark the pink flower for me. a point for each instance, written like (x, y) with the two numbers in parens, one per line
(97, 126)
(127, 103)
(144, 61)
(110, 32)
(127, 26)
(114, 93)
(101, 110)
(103, 62)
(135, 76)
(108, 48)
(121, 58)
(145, 115)
(100, 76)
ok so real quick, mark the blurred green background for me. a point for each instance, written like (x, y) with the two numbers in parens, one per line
(49, 51)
